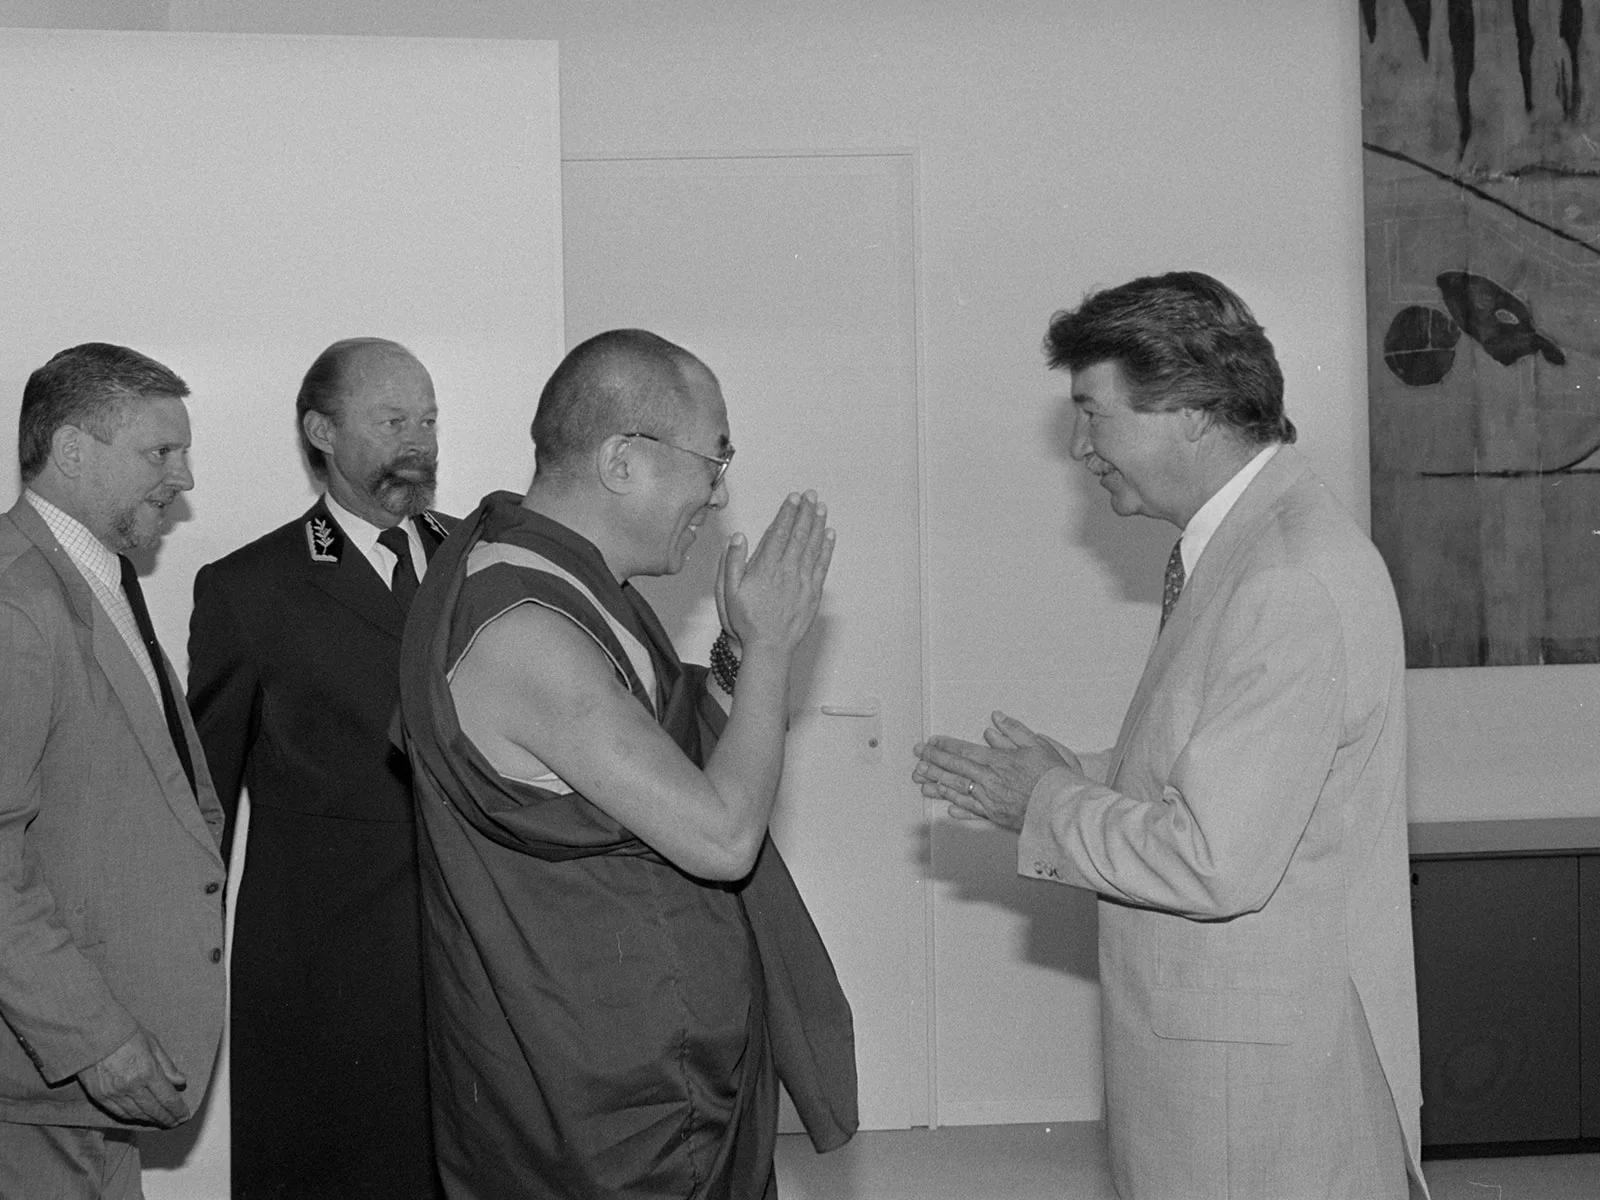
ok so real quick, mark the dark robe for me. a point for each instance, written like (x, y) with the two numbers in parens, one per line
(600, 1024)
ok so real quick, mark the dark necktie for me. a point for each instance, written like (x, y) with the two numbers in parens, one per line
(404, 580)
(147, 632)
(1172, 582)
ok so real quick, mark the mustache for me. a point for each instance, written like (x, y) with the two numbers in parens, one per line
(414, 460)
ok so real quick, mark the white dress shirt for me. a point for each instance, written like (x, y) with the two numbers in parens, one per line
(1197, 533)
(363, 534)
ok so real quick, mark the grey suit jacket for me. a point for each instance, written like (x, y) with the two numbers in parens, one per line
(111, 882)
(1249, 849)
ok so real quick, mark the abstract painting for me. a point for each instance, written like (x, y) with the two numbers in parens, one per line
(1481, 148)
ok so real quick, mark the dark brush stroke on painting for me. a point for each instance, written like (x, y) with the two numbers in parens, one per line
(1421, 20)
(1556, 230)
(1572, 34)
(1496, 318)
(1566, 468)
(1519, 18)
(1462, 27)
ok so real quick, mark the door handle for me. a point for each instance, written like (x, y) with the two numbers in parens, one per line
(867, 737)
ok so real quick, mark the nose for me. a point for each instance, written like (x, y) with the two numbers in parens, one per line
(1080, 447)
(179, 474)
(719, 494)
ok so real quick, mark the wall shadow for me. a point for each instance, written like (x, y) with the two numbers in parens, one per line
(979, 862)
(169, 1149)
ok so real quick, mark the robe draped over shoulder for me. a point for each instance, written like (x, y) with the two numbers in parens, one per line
(600, 1023)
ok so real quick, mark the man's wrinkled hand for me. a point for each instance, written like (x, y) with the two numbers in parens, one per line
(772, 596)
(992, 781)
(138, 1082)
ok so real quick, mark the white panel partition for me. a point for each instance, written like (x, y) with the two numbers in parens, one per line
(232, 204)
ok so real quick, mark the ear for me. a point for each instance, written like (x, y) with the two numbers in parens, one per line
(1196, 421)
(615, 466)
(319, 430)
(66, 449)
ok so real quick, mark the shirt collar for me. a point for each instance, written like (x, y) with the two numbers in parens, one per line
(88, 553)
(358, 529)
(1197, 533)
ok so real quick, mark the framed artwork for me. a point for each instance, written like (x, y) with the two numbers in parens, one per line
(1481, 147)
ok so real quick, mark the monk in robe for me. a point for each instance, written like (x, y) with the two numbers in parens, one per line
(618, 968)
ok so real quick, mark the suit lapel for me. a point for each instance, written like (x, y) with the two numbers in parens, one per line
(140, 705)
(149, 723)
(1215, 569)
(80, 597)
(333, 565)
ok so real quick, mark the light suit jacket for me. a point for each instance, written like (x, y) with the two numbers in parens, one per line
(1249, 850)
(111, 882)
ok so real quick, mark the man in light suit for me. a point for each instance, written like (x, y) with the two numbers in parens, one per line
(111, 881)
(1247, 834)
(294, 647)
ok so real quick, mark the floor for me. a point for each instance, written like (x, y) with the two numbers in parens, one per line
(1067, 1162)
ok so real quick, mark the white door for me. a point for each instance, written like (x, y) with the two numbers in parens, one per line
(794, 279)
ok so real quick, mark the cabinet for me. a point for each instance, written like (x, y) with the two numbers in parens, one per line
(1506, 918)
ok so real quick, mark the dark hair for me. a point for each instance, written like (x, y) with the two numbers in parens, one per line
(323, 389)
(1183, 340)
(90, 386)
(615, 382)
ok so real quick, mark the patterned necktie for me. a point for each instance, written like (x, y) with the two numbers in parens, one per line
(404, 580)
(147, 633)
(1172, 582)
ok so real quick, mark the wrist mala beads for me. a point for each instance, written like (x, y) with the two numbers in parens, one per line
(724, 663)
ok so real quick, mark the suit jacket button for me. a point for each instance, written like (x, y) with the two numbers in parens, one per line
(216, 956)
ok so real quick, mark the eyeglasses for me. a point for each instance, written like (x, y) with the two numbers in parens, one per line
(722, 464)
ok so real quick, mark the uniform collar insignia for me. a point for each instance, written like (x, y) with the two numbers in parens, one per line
(324, 539)
(432, 522)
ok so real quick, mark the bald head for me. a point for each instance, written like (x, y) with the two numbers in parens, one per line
(616, 382)
(343, 368)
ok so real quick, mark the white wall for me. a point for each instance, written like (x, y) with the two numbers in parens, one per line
(1062, 147)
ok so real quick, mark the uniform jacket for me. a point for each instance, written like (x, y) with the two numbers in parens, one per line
(294, 647)
(111, 881)
(294, 644)
(1249, 849)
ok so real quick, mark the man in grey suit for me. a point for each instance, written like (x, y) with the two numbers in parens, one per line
(111, 881)
(1247, 833)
